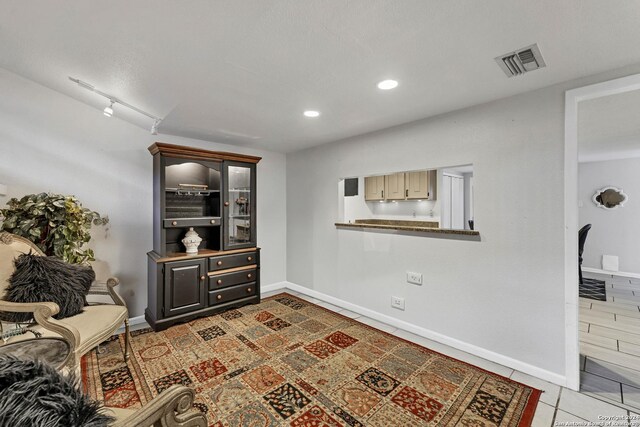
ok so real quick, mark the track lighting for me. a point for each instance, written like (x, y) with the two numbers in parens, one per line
(108, 111)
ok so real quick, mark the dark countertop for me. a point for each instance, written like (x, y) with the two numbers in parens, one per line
(392, 224)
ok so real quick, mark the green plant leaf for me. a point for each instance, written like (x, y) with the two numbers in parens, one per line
(59, 225)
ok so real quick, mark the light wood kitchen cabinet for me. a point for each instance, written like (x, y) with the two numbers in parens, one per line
(374, 187)
(420, 185)
(394, 186)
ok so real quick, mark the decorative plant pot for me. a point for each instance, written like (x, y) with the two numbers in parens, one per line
(191, 241)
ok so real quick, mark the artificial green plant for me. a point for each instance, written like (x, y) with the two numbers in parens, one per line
(57, 224)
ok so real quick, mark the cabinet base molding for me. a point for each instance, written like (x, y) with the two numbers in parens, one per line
(162, 324)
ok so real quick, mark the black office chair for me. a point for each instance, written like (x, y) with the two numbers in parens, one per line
(582, 237)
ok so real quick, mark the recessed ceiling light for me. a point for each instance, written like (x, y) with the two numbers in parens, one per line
(311, 113)
(387, 84)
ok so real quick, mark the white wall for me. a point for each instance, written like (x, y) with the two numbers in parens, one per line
(613, 231)
(503, 296)
(52, 143)
(504, 293)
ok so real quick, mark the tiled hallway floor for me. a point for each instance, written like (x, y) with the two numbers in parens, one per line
(557, 405)
(610, 343)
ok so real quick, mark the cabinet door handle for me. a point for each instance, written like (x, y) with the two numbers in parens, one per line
(213, 221)
(219, 262)
(382, 194)
(406, 193)
(249, 258)
(174, 222)
(219, 282)
(203, 277)
(219, 297)
(226, 203)
(248, 290)
(249, 276)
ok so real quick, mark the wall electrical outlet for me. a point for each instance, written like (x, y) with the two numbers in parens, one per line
(397, 302)
(415, 278)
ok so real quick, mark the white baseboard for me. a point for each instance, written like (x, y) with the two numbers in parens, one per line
(611, 273)
(426, 333)
(139, 322)
(273, 287)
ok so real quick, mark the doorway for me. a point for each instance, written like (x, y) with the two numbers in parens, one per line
(574, 362)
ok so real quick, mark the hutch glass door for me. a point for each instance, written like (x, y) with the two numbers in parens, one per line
(239, 205)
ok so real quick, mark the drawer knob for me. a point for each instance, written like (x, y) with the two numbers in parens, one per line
(213, 221)
(249, 276)
(219, 282)
(174, 222)
(248, 290)
(226, 203)
(219, 297)
(249, 258)
(219, 262)
(203, 277)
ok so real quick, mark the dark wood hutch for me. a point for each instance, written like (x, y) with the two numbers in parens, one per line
(215, 194)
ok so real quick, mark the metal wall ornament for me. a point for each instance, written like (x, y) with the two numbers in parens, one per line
(610, 198)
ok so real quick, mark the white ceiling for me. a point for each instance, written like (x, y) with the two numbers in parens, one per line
(609, 127)
(242, 71)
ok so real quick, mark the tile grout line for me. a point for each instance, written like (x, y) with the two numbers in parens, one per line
(555, 410)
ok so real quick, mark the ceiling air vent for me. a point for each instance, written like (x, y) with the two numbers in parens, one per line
(521, 61)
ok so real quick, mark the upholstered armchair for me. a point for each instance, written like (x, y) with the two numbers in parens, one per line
(171, 408)
(83, 331)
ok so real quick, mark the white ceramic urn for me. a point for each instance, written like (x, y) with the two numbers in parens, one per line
(191, 241)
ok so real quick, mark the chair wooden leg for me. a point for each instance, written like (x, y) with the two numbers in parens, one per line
(580, 281)
(126, 340)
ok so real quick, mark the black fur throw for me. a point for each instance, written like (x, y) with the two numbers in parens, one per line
(40, 279)
(35, 394)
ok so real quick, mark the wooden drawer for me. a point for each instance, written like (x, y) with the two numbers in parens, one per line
(232, 261)
(230, 279)
(191, 222)
(232, 293)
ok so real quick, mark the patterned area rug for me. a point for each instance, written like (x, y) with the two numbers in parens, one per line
(593, 289)
(287, 362)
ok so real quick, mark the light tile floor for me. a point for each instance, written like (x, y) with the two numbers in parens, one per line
(610, 343)
(558, 405)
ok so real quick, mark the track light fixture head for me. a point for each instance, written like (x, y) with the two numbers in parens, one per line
(154, 127)
(108, 111)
